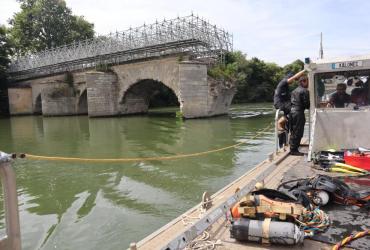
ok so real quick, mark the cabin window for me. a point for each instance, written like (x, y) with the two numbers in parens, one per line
(347, 89)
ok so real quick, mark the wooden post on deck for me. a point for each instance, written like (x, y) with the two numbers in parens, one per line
(12, 240)
(133, 246)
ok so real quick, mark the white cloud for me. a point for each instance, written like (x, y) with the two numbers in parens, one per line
(273, 30)
(7, 9)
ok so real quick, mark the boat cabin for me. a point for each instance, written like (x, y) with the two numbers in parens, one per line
(340, 98)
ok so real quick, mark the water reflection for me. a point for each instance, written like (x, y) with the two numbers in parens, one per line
(95, 206)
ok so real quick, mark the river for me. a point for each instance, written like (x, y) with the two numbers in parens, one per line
(78, 205)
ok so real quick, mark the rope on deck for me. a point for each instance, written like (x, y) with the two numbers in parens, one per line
(350, 238)
(141, 159)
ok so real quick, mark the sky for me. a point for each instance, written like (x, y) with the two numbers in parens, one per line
(279, 31)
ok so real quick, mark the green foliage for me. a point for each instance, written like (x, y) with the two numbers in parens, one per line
(294, 67)
(103, 67)
(43, 24)
(179, 115)
(5, 52)
(234, 69)
(255, 79)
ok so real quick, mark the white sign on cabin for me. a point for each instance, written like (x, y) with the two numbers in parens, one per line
(343, 65)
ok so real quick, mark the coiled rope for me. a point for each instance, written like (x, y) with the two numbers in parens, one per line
(314, 221)
(350, 238)
(159, 158)
(203, 242)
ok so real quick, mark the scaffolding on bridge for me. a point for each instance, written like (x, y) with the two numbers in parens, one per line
(190, 34)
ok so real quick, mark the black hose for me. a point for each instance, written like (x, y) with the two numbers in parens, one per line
(290, 181)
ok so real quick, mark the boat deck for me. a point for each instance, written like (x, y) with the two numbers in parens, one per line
(278, 168)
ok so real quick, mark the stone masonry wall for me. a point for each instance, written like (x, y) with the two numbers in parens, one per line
(59, 99)
(20, 101)
(221, 94)
(203, 96)
(67, 105)
(102, 91)
(193, 89)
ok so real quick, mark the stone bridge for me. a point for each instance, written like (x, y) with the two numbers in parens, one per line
(60, 81)
(124, 89)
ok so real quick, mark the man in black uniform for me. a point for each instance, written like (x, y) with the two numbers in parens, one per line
(282, 95)
(300, 101)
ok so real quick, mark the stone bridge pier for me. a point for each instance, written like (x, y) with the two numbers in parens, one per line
(125, 89)
(49, 96)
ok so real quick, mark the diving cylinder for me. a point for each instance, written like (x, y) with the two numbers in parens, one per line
(279, 232)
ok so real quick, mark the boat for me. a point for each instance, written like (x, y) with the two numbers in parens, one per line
(329, 128)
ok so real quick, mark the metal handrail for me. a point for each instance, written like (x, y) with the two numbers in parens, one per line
(12, 239)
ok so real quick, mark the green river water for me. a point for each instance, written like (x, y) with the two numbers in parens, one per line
(107, 206)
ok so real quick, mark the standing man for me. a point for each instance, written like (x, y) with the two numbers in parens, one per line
(282, 95)
(300, 101)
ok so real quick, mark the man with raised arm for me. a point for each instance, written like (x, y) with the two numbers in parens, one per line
(282, 95)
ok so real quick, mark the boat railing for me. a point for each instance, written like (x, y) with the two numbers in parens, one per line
(12, 239)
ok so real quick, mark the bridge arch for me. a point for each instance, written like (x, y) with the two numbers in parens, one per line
(144, 93)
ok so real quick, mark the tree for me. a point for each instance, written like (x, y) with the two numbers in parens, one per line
(293, 67)
(233, 69)
(43, 24)
(261, 81)
(255, 79)
(5, 52)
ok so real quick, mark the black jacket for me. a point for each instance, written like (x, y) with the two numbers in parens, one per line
(300, 99)
(282, 94)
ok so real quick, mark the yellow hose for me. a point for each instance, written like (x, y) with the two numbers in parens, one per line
(349, 167)
(342, 170)
(160, 158)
